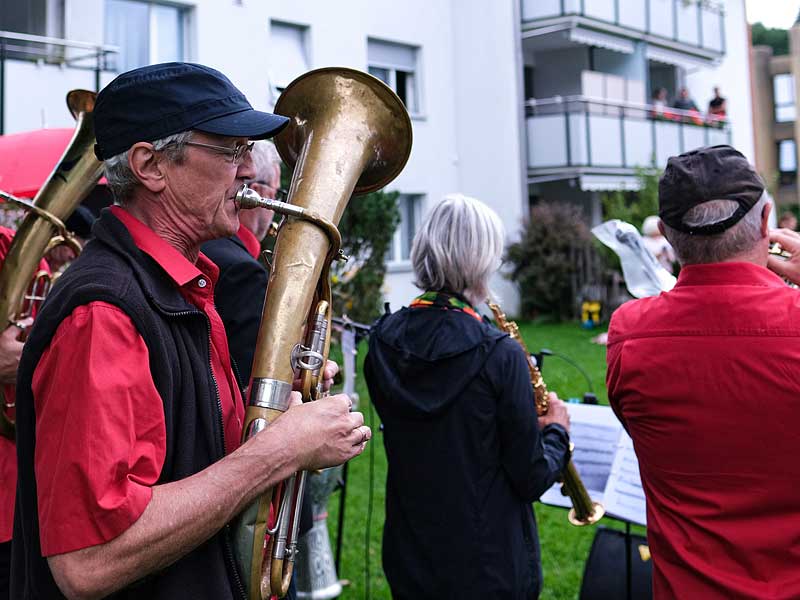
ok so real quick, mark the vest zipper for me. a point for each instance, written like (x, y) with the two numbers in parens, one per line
(226, 542)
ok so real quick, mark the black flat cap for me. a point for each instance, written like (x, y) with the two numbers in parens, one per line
(712, 173)
(156, 101)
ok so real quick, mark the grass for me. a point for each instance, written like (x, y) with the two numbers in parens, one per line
(564, 547)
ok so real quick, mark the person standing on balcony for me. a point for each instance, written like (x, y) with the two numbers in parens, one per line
(684, 101)
(718, 106)
(704, 379)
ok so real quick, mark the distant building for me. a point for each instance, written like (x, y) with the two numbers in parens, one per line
(775, 90)
(512, 101)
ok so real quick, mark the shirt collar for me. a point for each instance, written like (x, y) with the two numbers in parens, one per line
(728, 273)
(249, 240)
(176, 265)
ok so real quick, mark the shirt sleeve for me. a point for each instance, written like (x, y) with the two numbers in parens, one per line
(533, 459)
(100, 432)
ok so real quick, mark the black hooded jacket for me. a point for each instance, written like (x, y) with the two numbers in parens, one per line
(465, 456)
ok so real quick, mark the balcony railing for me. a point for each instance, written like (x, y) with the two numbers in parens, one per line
(36, 73)
(696, 23)
(584, 132)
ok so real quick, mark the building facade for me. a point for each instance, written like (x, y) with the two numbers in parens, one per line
(775, 89)
(511, 101)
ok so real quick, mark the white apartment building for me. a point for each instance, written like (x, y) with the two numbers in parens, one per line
(510, 100)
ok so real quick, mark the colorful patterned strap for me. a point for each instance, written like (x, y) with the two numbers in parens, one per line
(445, 301)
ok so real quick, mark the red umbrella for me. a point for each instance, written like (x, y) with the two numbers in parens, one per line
(27, 159)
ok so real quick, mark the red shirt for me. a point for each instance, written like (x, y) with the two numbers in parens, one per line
(100, 433)
(8, 453)
(706, 378)
(250, 241)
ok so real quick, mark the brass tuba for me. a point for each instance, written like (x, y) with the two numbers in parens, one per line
(21, 286)
(584, 511)
(349, 134)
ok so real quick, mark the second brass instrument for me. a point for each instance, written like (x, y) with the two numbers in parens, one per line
(22, 285)
(584, 510)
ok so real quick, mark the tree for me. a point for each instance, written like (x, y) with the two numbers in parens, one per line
(777, 39)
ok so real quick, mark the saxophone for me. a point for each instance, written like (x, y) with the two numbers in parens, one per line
(584, 510)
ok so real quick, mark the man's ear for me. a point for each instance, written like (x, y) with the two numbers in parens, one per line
(765, 219)
(146, 167)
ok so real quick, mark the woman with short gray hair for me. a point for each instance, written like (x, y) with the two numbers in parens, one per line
(466, 453)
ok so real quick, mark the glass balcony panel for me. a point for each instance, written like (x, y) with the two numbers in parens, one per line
(662, 18)
(540, 9)
(668, 142)
(577, 137)
(600, 9)
(40, 104)
(693, 138)
(547, 135)
(632, 14)
(712, 29)
(718, 136)
(638, 143)
(688, 25)
(606, 139)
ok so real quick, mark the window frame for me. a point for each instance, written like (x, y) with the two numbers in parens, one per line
(395, 261)
(417, 111)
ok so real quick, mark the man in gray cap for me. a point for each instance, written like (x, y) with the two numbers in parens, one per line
(704, 378)
(130, 415)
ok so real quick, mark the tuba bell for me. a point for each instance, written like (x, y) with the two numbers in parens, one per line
(348, 134)
(22, 287)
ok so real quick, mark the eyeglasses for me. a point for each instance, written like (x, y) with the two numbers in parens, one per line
(236, 154)
(280, 193)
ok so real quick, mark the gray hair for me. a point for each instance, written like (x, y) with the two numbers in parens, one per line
(265, 160)
(698, 249)
(120, 178)
(458, 248)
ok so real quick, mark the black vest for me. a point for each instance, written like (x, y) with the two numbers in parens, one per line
(112, 269)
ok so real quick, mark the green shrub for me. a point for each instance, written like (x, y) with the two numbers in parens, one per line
(543, 261)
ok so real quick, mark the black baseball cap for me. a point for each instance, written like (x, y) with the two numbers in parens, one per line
(156, 101)
(712, 173)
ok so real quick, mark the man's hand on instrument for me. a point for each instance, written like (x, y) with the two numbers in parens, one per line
(10, 351)
(788, 268)
(556, 413)
(325, 433)
(328, 373)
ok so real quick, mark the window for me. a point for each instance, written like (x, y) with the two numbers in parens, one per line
(288, 55)
(145, 33)
(34, 17)
(397, 66)
(410, 206)
(787, 162)
(783, 86)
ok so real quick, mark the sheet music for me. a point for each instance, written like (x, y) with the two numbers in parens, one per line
(606, 462)
(595, 432)
(624, 496)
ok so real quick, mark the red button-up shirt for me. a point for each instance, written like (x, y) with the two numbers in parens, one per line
(100, 433)
(8, 453)
(706, 378)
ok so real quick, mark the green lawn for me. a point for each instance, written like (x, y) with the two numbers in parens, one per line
(564, 547)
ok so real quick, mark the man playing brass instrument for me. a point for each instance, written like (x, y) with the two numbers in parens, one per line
(704, 378)
(129, 412)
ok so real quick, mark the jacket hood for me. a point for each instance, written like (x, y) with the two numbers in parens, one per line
(420, 360)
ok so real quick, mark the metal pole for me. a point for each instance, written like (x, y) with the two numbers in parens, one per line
(340, 524)
(2, 86)
(97, 70)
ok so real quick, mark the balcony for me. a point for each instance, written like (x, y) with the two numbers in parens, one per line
(37, 72)
(694, 26)
(580, 134)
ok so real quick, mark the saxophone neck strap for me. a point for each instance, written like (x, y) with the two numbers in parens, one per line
(446, 301)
